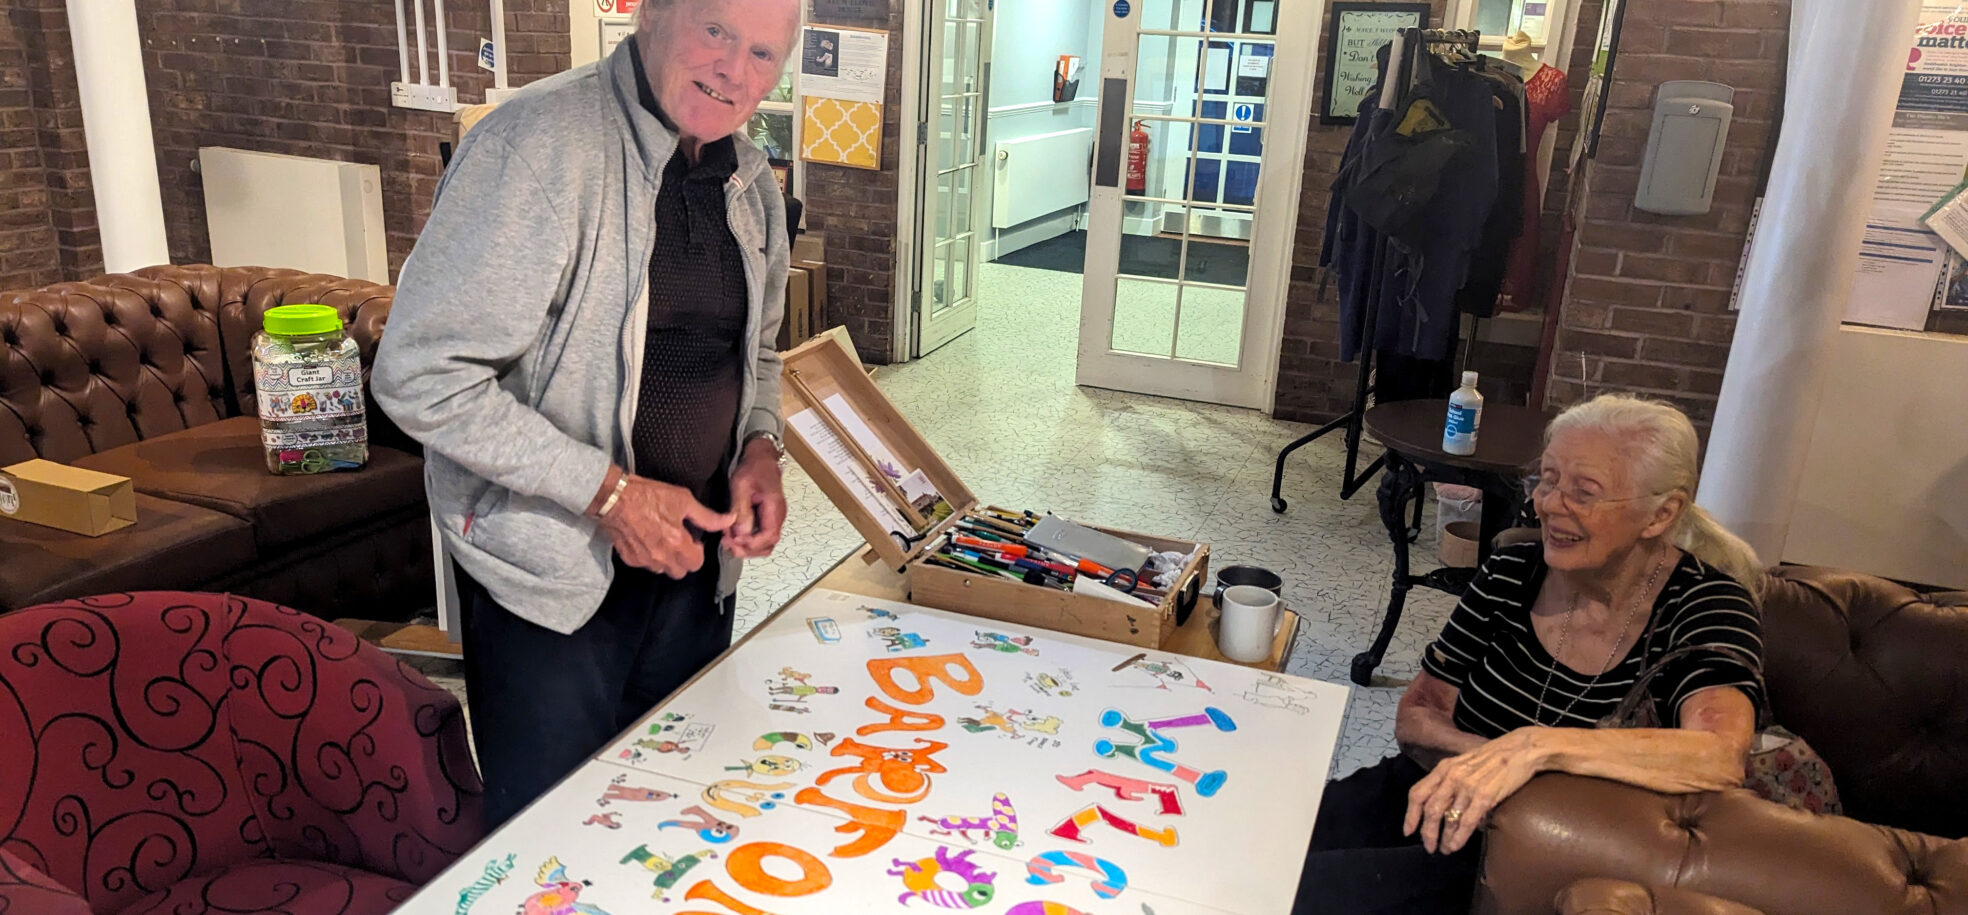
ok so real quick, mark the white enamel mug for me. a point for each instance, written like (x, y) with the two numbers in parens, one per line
(1250, 621)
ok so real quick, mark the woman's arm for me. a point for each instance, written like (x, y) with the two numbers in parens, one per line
(1707, 752)
(1424, 724)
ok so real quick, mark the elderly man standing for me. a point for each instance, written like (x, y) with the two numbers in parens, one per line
(582, 340)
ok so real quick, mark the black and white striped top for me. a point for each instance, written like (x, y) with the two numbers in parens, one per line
(1490, 653)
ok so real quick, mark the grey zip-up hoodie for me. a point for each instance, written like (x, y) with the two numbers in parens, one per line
(514, 349)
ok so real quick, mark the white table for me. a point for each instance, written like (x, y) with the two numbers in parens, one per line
(813, 770)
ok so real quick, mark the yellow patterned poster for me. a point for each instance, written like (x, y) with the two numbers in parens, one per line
(840, 132)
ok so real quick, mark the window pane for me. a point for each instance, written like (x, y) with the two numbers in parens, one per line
(784, 91)
(772, 133)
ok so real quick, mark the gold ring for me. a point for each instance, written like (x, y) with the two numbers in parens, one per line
(1453, 815)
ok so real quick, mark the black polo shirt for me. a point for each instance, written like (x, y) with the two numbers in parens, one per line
(693, 360)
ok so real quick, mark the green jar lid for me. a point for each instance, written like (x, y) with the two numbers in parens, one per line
(302, 320)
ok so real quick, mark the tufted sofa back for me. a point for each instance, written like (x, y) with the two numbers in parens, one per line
(1875, 676)
(85, 367)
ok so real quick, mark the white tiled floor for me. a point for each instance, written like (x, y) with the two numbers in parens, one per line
(1000, 404)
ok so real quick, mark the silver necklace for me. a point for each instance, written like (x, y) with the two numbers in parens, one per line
(1564, 633)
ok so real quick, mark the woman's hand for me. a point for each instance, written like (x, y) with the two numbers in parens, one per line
(1450, 803)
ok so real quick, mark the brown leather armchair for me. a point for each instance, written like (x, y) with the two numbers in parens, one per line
(1875, 676)
(149, 376)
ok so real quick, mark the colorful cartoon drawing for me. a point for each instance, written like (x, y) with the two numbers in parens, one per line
(667, 870)
(1127, 789)
(1166, 672)
(304, 403)
(920, 877)
(674, 733)
(617, 790)
(630, 755)
(1273, 691)
(1055, 685)
(768, 741)
(792, 686)
(1073, 827)
(877, 613)
(1044, 869)
(745, 798)
(795, 709)
(1001, 825)
(496, 872)
(998, 641)
(768, 766)
(824, 629)
(1050, 908)
(894, 640)
(1152, 747)
(709, 828)
(1009, 722)
(558, 895)
(606, 820)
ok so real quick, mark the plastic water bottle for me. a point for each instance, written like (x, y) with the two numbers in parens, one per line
(1465, 417)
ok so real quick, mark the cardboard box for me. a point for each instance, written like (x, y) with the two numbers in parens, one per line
(799, 324)
(810, 254)
(69, 498)
(824, 367)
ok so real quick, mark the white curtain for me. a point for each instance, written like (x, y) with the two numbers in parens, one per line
(1846, 62)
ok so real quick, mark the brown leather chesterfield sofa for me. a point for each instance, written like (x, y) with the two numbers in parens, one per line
(149, 376)
(1875, 677)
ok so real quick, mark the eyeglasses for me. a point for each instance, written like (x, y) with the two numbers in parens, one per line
(1583, 503)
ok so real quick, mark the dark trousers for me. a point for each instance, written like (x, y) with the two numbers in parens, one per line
(542, 703)
(1361, 863)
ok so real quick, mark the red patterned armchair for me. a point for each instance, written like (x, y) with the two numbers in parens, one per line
(197, 754)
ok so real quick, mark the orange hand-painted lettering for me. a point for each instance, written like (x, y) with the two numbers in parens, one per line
(925, 669)
(903, 773)
(876, 826)
(899, 720)
(745, 864)
(705, 889)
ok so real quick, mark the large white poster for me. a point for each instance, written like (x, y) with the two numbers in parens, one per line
(1901, 263)
(857, 755)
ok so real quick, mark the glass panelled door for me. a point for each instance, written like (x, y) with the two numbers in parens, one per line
(1202, 122)
(959, 53)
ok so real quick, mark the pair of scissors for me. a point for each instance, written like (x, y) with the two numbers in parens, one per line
(1130, 576)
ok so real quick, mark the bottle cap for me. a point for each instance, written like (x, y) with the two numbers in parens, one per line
(302, 320)
(1468, 379)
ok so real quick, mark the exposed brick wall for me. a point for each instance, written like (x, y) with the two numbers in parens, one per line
(64, 158)
(1647, 307)
(856, 208)
(28, 256)
(311, 78)
(306, 77)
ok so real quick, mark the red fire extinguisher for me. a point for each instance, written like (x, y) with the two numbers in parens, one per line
(1137, 168)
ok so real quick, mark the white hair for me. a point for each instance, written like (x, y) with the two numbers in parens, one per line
(1664, 462)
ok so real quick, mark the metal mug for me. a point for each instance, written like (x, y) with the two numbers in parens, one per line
(1234, 576)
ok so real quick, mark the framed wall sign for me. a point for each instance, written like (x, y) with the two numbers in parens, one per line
(1354, 36)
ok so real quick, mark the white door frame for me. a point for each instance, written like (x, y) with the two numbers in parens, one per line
(907, 277)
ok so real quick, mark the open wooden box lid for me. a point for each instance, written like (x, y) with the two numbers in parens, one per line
(824, 370)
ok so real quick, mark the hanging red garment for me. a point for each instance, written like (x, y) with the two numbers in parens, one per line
(1549, 98)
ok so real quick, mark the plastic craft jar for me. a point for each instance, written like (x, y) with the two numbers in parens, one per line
(308, 374)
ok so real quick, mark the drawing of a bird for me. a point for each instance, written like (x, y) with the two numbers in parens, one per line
(558, 895)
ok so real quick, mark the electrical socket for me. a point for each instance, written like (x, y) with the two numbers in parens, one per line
(423, 97)
(495, 96)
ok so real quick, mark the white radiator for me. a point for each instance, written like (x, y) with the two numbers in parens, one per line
(1038, 176)
(270, 210)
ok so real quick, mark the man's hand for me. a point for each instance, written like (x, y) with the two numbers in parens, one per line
(758, 502)
(647, 526)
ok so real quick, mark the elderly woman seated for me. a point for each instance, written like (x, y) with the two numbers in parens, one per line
(1546, 642)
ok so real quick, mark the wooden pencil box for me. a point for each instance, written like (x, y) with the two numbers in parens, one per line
(821, 371)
